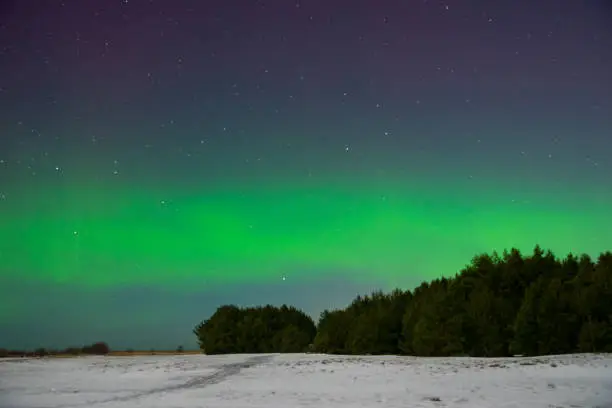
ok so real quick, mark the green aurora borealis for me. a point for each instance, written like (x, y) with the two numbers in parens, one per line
(386, 232)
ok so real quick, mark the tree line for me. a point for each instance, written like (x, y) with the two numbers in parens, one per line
(99, 348)
(498, 305)
(96, 349)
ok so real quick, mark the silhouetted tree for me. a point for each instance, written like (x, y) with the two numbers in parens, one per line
(255, 330)
(98, 348)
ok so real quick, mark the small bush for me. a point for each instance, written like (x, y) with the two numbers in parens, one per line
(99, 348)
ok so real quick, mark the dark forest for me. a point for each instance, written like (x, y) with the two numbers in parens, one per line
(498, 305)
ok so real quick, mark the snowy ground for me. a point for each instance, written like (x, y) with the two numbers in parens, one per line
(287, 381)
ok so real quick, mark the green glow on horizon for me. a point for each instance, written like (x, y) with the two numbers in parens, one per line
(223, 234)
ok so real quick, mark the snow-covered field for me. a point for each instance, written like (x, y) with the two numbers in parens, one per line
(299, 380)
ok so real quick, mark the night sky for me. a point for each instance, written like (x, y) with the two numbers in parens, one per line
(159, 158)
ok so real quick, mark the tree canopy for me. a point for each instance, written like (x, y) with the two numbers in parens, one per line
(498, 305)
(265, 329)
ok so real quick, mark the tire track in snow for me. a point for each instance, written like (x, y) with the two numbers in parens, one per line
(224, 372)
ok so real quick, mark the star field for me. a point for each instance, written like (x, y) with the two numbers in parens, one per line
(160, 158)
